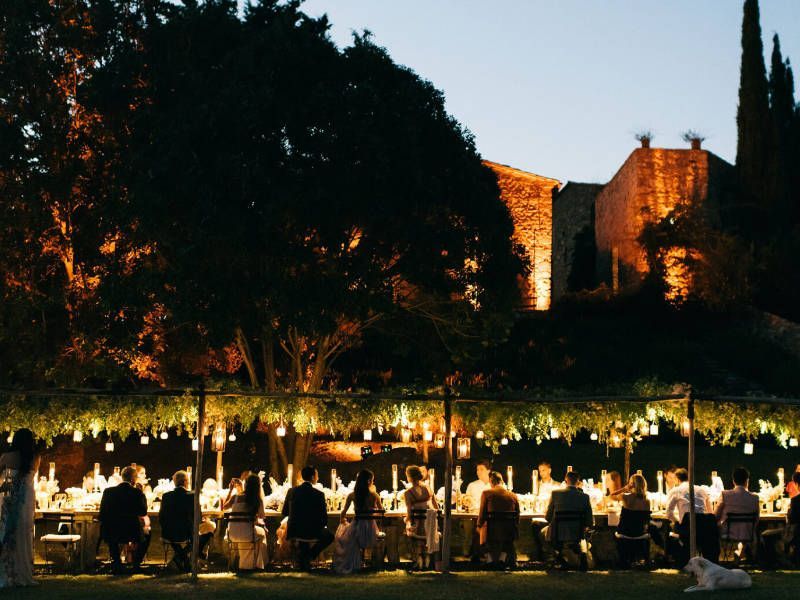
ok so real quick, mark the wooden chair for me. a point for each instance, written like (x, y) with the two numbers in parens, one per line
(62, 525)
(744, 533)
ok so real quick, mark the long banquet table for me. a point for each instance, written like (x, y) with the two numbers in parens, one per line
(392, 524)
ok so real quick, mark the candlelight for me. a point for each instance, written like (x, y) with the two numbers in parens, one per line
(219, 438)
(333, 480)
(189, 473)
(458, 473)
(510, 477)
(144, 440)
(290, 474)
(164, 435)
(654, 429)
(280, 430)
(748, 448)
(463, 446)
(685, 427)
(219, 477)
(439, 440)
(432, 480)
(51, 474)
(593, 436)
(394, 478)
(569, 468)
(535, 482)
(195, 445)
(109, 446)
(660, 478)
(479, 435)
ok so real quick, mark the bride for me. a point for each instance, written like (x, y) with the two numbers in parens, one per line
(18, 468)
(363, 531)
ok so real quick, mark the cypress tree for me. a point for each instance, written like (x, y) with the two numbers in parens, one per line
(782, 116)
(752, 118)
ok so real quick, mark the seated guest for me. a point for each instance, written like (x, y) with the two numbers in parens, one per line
(121, 511)
(498, 531)
(793, 488)
(246, 526)
(142, 482)
(423, 530)
(177, 521)
(235, 488)
(546, 482)
(613, 483)
(738, 501)
(634, 495)
(363, 531)
(678, 514)
(793, 520)
(670, 480)
(308, 517)
(787, 537)
(634, 521)
(472, 501)
(573, 499)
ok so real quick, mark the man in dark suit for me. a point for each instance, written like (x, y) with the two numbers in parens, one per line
(498, 521)
(308, 517)
(571, 499)
(121, 511)
(177, 521)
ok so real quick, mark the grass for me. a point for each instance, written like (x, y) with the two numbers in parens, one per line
(398, 585)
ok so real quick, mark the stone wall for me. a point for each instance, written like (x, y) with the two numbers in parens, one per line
(573, 212)
(529, 198)
(651, 183)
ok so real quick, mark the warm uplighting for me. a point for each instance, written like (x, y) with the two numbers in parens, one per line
(368, 435)
(479, 435)
(144, 440)
(195, 445)
(504, 441)
(77, 435)
(748, 448)
(164, 435)
(463, 446)
(219, 438)
(439, 440)
(653, 428)
(280, 430)
(109, 446)
(685, 427)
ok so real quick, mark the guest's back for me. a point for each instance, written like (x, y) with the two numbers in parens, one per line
(570, 499)
(500, 527)
(308, 512)
(120, 509)
(177, 515)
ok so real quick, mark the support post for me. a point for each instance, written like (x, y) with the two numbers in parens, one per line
(448, 482)
(198, 477)
(692, 512)
(628, 452)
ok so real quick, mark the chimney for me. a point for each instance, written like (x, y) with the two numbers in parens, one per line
(696, 143)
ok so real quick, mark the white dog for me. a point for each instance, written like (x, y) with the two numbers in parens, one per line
(712, 577)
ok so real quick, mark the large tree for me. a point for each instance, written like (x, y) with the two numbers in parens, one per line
(290, 195)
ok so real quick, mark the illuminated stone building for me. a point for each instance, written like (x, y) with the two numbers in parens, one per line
(646, 188)
(529, 198)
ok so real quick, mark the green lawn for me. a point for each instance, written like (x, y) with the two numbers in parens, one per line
(398, 585)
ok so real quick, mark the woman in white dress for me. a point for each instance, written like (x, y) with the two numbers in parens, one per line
(251, 534)
(18, 468)
(362, 531)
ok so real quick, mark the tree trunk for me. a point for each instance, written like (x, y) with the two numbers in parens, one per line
(247, 356)
(268, 353)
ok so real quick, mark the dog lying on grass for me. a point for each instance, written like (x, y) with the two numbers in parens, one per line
(712, 577)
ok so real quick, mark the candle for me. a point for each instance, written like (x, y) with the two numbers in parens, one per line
(780, 476)
(189, 474)
(458, 473)
(219, 477)
(96, 476)
(394, 478)
(638, 471)
(569, 469)
(333, 480)
(603, 479)
(535, 482)
(51, 475)
(432, 480)
(510, 475)
(290, 474)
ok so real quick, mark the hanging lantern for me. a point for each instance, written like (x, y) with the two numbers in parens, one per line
(195, 445)
(653, 428)
(748, 448)
(615, 441)
(644, 429)
(218, 438)
(439, 441)
(164, 435)
(504, 441)
(452, 433)
(685, 427)
(77, 435)
(554, 433)
(763, 427)
(793, 442)
(479, 435)
(144, 440)
(368, 435)
(593, 436)
(405, 435)
(463, 447)
(10, 438)
(109, 446)
(232, 437)
(428, 435)
(280, 430)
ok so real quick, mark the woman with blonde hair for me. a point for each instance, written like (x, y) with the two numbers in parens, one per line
(634, 495)
(421, 530)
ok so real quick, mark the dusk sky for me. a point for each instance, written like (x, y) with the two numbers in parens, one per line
(560, 87)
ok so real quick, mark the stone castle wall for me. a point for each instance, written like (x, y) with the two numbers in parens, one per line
(651, 183)
(529, 198)
(573, 211)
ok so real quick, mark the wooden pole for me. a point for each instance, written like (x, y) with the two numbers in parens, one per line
(448, 483)
(692, 513)
(628, 451)
(198, 477)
